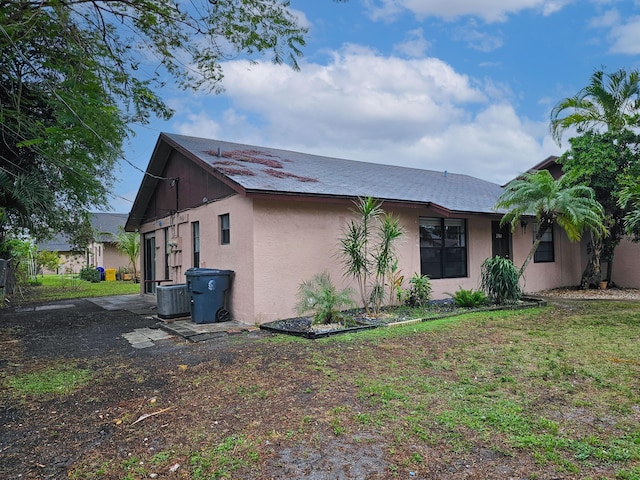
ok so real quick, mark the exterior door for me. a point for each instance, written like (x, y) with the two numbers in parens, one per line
(501, 240)
(150, 263)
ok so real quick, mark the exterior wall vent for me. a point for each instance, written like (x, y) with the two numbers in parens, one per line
(173, 301)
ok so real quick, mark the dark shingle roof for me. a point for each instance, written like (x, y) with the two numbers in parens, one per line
(104, 224)
(267, 170)
(107, 224)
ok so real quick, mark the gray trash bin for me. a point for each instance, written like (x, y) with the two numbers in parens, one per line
(208, 289)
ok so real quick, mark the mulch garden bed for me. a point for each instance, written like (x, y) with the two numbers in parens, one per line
(358, 320)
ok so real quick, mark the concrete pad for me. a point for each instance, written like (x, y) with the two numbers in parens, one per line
(144, 337)
(135, 303)
(198, 332)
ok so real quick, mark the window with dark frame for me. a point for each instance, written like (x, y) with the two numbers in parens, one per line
(443, 247)
(195, 230)
(545, 251)
(225, 232)
(167, 253)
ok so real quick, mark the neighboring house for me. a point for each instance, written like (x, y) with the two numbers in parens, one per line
(102, 252)
(275, 218)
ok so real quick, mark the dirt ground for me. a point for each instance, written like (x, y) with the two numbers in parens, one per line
(147, 402)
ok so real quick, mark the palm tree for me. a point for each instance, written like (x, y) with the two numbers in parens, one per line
(610, 101)
(574, 208)
(128, 243)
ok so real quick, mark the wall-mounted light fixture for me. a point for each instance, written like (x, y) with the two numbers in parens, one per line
(523, 225)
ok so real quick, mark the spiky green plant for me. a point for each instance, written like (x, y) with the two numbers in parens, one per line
(500, 280)
(320, 297)
(367, 250)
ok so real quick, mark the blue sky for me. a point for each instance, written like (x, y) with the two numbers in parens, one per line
(458, 85)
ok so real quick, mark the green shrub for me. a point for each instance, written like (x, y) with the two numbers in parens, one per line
(320, 297)
(469, 298)
(500, 280)
(419, 292)
(90, 274)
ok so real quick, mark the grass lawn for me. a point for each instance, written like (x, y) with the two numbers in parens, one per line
(62, 287)
(532, 394)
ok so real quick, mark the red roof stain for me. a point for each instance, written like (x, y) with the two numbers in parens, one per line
(234, 171)
(249, 156)
(281, 174)
(226, 162)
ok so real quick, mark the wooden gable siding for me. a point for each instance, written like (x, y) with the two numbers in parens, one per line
(555, 170)
(187, 186)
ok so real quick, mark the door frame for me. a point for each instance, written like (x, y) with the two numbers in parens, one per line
(501, 240)
(150, 262)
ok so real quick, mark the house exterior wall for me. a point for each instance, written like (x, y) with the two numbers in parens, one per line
(275, 245)
(564, 271)
(70, 262)
(293, 242)
(236, 256)
(112, 258)
(626, 265)
(297, 240)
(104, 255)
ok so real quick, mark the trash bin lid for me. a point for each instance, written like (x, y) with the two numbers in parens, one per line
(197, 272)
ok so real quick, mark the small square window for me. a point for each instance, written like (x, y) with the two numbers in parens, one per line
(225, 232)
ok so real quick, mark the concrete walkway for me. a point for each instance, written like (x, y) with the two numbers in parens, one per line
(144, 305)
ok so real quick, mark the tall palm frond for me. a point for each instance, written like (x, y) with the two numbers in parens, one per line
(573, 208)
(610, 101)
(128, 243)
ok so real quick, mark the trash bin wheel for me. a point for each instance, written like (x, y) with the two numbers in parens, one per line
(223, 315)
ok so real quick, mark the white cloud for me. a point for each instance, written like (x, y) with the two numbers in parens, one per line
(358, 90)
(364, 106)
(301, 18)
(198, 125)
(415, 44)
(475, 38)
(488, 10)
(608, 19)
(625, 38)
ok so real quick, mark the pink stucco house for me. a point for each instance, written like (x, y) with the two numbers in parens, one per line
(101, 251)
(275, 217)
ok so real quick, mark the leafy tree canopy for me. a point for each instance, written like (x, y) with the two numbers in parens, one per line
(607, 162)
(75, 74)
